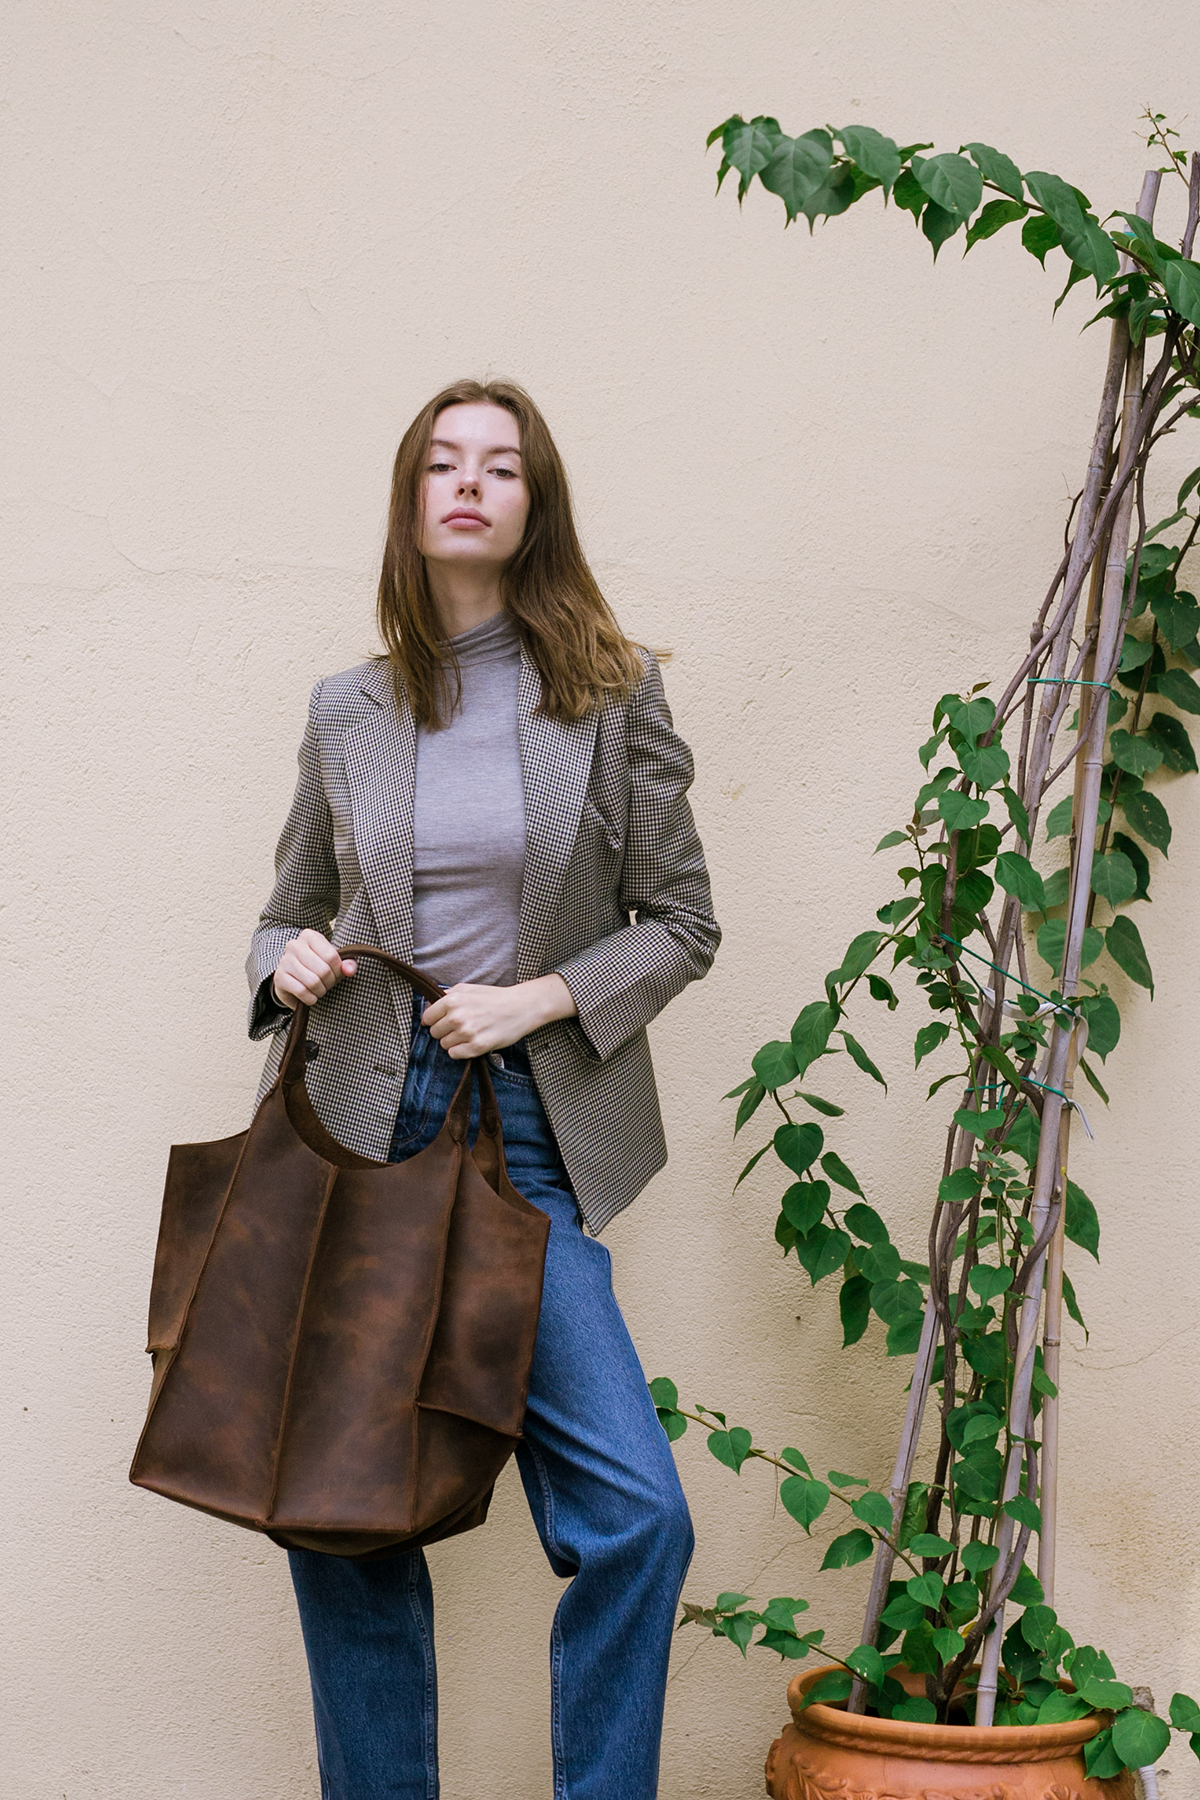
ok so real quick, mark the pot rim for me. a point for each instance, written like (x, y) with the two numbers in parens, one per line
(938, 1743)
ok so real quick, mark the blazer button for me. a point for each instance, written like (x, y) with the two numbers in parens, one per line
(311, 1050)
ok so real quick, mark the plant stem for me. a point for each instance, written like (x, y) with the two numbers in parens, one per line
(777, 1462)
(881, 1574)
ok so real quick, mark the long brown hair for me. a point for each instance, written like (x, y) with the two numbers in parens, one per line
(566, 625)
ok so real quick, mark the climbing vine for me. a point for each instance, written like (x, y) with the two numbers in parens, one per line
(1014, 950)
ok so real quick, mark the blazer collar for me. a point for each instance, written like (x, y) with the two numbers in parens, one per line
(377, 682)
(381, 766)
(556, 763)
(381, 769)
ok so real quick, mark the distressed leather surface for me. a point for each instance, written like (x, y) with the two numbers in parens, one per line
(342, 1347)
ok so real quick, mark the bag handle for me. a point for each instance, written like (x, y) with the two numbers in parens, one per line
(291, 1067)
(424, 984)
(489, 1148)
(489, 1145)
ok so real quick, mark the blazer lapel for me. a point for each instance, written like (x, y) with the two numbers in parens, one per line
(556, 763)
(381, 768)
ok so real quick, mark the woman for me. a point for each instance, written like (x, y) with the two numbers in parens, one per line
(491, 801)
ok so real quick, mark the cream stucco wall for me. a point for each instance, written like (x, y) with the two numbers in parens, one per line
(245, 241)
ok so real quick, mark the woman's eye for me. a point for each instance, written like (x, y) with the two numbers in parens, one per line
(510, 474)
(438, 468)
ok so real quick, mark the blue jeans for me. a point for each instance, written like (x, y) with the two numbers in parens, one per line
(602, 1487)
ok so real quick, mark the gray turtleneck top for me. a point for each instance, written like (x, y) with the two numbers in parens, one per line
(469, 819)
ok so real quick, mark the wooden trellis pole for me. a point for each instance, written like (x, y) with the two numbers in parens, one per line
(1050, 1179)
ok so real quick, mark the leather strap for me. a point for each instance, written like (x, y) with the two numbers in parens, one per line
(414, 978)
(291, 1067)
(489, 1145)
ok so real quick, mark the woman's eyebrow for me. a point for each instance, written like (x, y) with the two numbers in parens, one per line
(496, 449)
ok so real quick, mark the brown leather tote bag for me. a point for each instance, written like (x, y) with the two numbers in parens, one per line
(341, 1347)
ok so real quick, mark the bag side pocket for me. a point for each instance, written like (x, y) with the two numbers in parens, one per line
(198, 1178)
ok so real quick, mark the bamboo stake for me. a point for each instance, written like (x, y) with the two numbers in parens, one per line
(1050, 1173)
(1052, 1330)
(1076, 568)
(1089, 701)
(1051, 1355)
(1036, 760)
(1081, 555)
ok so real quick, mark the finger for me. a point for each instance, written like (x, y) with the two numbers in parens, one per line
(453, 996)
(453, 1020)
(454, 1031)
(313, 940)
(301, 963)
(289, 983)
(314, 966)
(435, 1011)
(443, 1029)
(281, 992)
(307, 984)
(319, 954)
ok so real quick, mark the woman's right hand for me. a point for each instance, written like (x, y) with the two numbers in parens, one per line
(308, 968)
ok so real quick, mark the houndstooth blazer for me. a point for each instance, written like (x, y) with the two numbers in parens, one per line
(609, 833)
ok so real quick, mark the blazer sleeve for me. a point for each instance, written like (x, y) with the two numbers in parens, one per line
(307, 889)
(620, 983)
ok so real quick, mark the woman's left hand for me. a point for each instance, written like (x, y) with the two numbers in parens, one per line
(469, 1020)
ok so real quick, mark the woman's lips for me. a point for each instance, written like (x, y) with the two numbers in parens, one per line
(466, 521)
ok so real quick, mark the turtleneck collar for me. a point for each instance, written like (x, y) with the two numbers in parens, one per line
(494, 641)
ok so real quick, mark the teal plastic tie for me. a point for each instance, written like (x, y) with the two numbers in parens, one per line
(1007, 973)
(1065, 681)
(1046, 1088)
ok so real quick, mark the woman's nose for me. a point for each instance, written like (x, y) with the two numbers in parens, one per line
(468, 484)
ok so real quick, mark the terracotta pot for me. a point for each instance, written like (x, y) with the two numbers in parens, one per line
(829, 1754)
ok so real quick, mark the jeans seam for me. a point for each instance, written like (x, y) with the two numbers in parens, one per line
(410, 1137)
(324, 1779)
(431, 1769)
(557, 1748)
(547, 1500)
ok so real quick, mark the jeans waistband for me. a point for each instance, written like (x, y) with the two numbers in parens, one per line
(514, 1057)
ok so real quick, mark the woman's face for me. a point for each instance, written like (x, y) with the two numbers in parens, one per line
(475, 502)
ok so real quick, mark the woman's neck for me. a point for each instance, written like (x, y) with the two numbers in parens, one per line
(464, 597)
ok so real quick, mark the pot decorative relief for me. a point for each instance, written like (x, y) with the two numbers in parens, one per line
(828, 1754)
